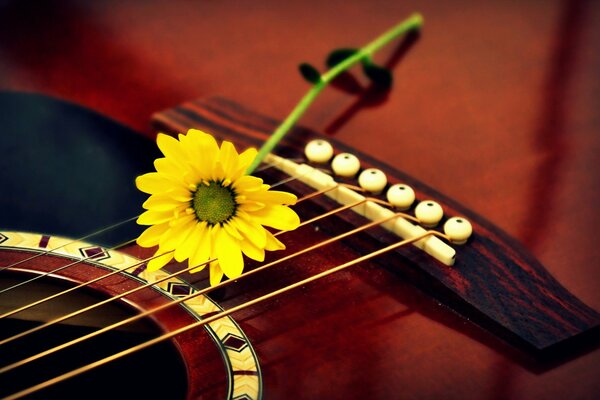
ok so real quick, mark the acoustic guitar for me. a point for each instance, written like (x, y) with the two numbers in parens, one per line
(340, 336)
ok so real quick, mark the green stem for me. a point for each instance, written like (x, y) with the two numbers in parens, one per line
(414, 22)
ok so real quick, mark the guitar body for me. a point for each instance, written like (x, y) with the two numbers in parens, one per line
(352, 334)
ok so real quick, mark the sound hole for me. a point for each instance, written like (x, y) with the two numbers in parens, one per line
(156, 372)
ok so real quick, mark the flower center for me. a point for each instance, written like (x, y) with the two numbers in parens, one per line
(214, 203)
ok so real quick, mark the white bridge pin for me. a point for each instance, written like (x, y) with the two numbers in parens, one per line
(318, 151)
(429, 213)
(458, 230)
(372, 180)
(345, 164)
(401, 196)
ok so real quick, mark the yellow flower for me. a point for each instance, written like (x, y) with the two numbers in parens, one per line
(203, 206)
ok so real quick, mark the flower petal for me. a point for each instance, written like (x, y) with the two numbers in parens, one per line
(244, 161)
(160, 261)
(188, 246)
(151, 236)
(152, 183)
(253, 231)
(216, 273)
(167, 167)
(203, 151)
(232, 231)
(179, 193)
(176, 235)
(228, 157)
(229, 254)
(203, 248)
(152, 217)
(247, 183)
(246, 158)
(249, 205)
(272, 243)
(278, 217)
(273, 197)
(171, 148)
(252, 251)
(159, 202)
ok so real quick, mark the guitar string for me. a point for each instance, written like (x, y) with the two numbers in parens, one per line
(40, 276)
(219, 315)
(200, 292)
(121, 295)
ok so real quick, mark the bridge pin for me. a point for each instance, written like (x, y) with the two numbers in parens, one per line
(458, 230)
(345, 164)
(372, 180)
(429, 213)
(318, 151)
(401, 196)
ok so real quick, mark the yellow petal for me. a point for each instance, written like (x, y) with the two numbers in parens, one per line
(187, 247)
(152, 217)
(176, 235)
(252, 251)
(171, 148)
(151, 236)
(203, 150)
(244, 161)
(203, 248)
(228, 157)
(232, 231)
(272, 243)
(273, 197)
(229, 254)
(246, 158)
(159, 202)
(167, 167)
(160, 261)
(218, 172)
(179, 193)
(253, 231)
(216, 273)
(247, 183)
(278, 217)
(249, 205)
(152, 183)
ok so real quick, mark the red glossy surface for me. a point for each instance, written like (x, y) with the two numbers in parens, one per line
(496, 106)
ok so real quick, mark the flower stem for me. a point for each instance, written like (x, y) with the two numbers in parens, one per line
(414, 22)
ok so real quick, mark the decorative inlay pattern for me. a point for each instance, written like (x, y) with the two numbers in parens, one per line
(95, 253)
(234, 342)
